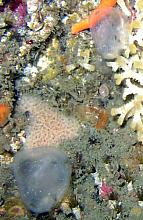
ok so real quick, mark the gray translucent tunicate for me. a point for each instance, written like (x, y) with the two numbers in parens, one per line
(111, 34)
(43, 177)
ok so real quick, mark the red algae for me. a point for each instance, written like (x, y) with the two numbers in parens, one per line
(18, 9)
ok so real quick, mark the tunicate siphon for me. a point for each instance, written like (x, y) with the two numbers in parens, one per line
(111, 34)
(43, 177)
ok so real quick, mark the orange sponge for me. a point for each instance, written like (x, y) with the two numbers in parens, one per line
(97, 15)
(4, 113)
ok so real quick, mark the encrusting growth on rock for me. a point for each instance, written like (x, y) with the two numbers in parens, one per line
(47, 127)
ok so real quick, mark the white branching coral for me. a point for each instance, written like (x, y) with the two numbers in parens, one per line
(130, 70)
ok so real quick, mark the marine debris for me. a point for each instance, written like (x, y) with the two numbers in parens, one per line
(130, 70)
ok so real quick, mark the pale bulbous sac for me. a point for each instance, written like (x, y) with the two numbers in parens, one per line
(111, 34)
(43, 177)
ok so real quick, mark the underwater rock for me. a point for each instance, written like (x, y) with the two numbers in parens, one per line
(43, 177)
(111, 34)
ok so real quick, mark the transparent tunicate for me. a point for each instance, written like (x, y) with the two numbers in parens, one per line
(110, 34)
(43, 177)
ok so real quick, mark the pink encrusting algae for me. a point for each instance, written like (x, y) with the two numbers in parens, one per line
(47, 127)
(105, 190)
